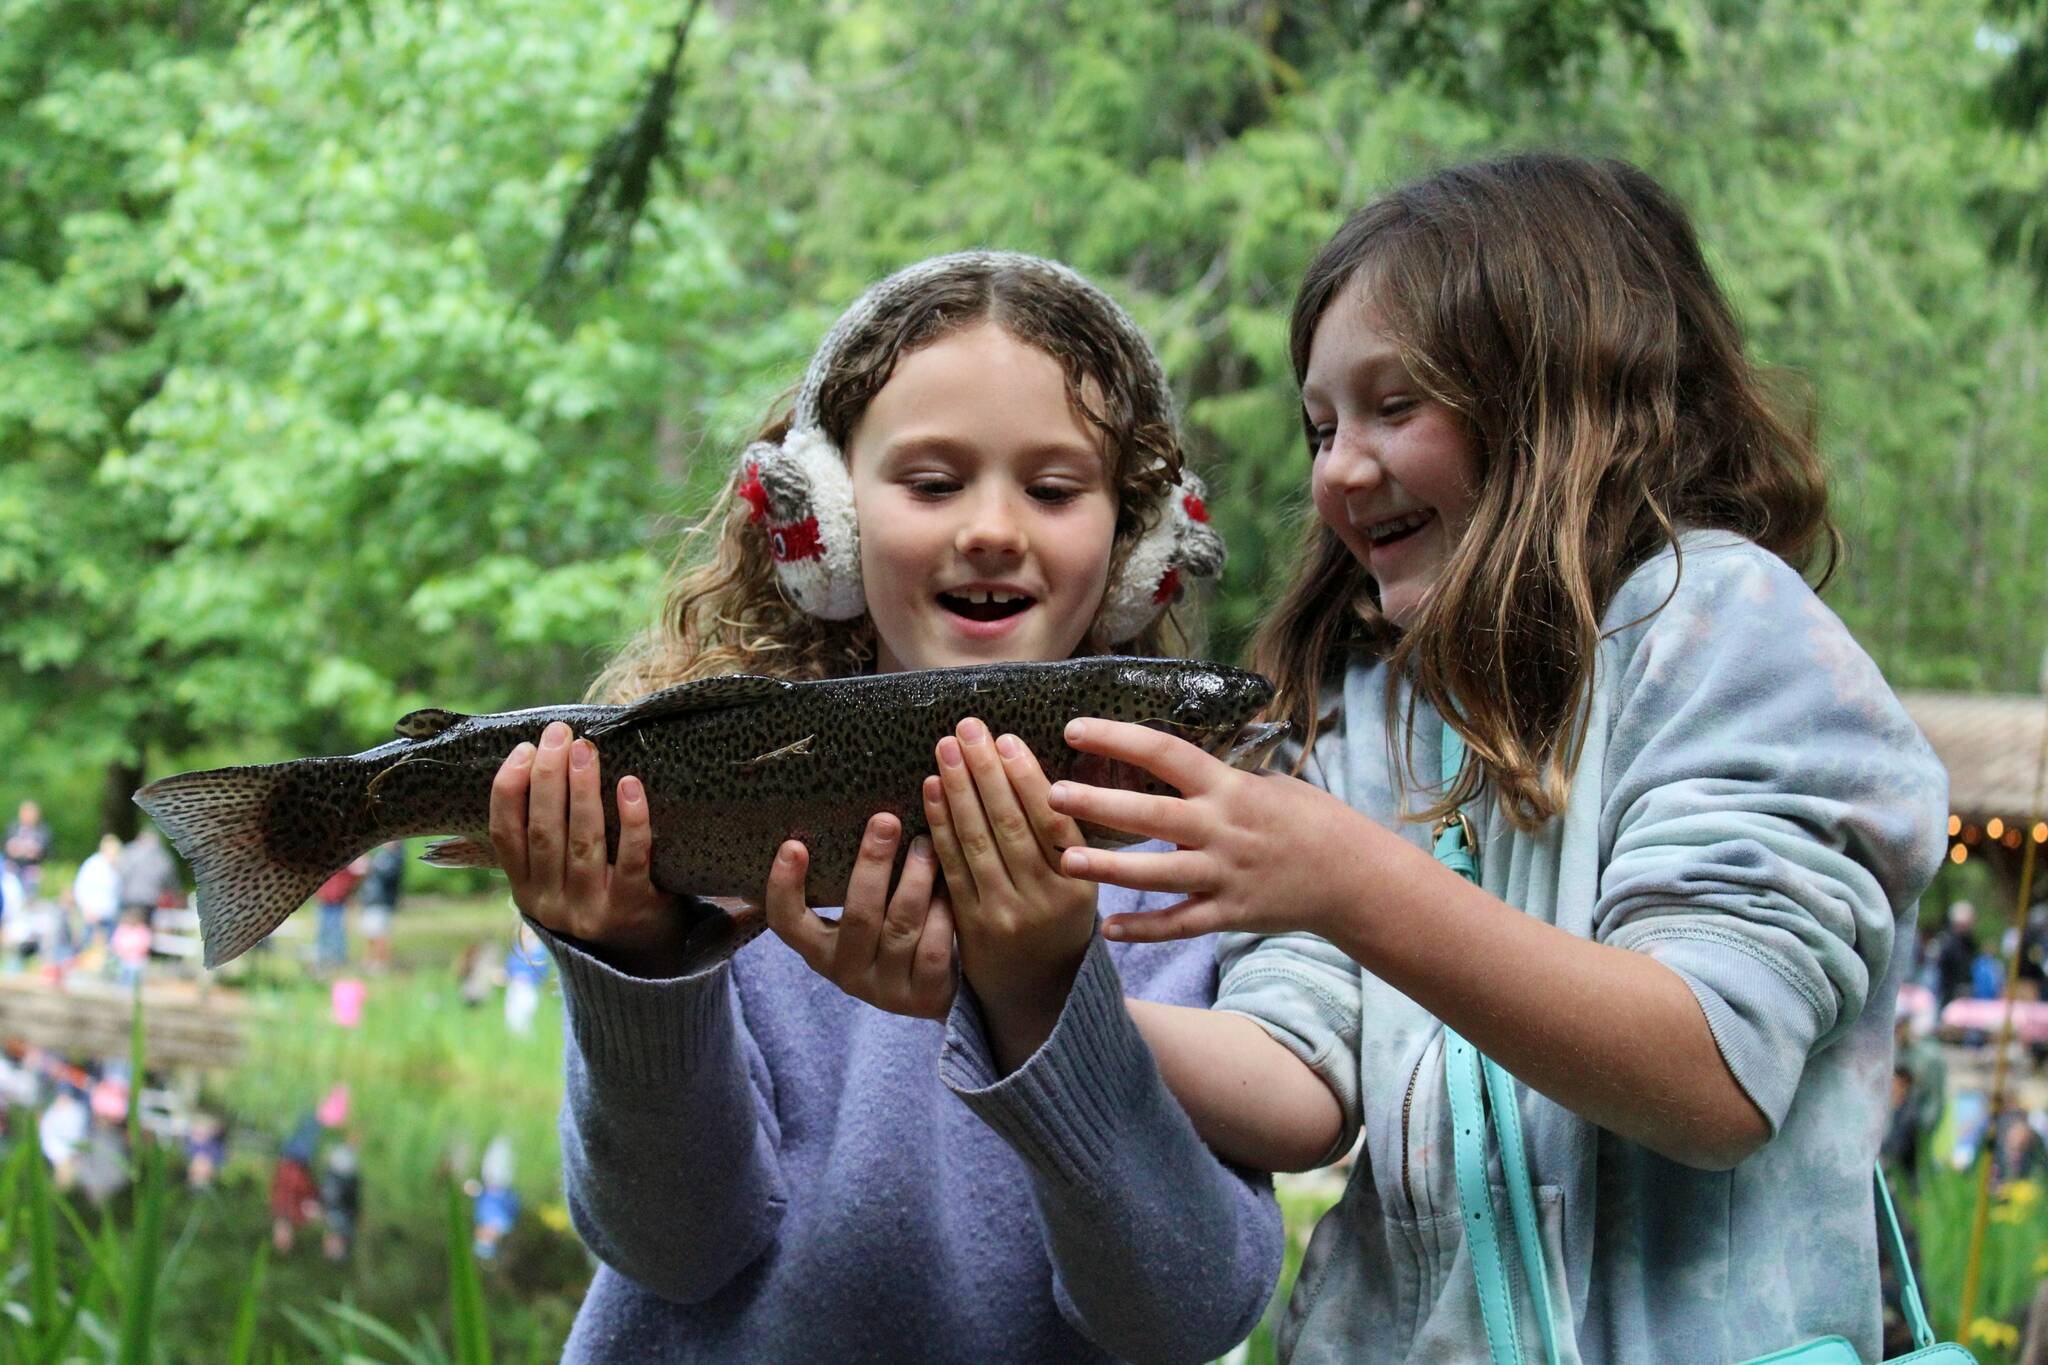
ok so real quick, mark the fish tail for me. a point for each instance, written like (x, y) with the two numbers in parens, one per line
(252, 868)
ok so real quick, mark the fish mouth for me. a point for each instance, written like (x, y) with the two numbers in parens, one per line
(718, 928)
(1248, 746)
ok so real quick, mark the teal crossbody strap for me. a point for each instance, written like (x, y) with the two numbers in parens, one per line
(1464, 1068)
(1475, 1201)
(1909, 1287)
(1507, 1122)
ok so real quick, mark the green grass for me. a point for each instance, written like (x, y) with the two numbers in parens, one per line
(167, 1274)
(164, 1274)
(1302, 1205)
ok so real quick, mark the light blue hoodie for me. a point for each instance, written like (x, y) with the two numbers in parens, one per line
(1754, 809)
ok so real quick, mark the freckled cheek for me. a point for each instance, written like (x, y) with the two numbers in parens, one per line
(895, 567)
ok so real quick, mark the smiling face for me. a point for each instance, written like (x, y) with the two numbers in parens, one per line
(987, 516)
(1395, 474)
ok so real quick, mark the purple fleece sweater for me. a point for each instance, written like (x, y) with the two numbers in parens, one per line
(771, 1170)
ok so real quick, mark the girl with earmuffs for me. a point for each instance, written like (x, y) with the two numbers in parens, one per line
(982, 464)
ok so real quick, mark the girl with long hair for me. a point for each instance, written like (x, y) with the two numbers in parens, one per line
(1561, 521)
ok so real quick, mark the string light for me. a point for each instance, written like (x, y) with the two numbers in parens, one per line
(1958, 854)
(1955, 825)
(2041, 832)
(1995, 828)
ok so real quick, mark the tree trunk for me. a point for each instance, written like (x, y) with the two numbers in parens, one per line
(118, 814)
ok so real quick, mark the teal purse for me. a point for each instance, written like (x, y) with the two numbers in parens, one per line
(1482, 1098)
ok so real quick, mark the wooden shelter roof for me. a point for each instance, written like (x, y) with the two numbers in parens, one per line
(1990, 745)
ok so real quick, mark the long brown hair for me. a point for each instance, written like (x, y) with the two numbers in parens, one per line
(1561, 307)
(725, 611)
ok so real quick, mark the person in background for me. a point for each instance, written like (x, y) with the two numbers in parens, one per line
(206, 1151)
(526, 968)
(131, 940)
(331, 947)
(341, 1199)
(147, 873)
(497, 1203)
(1954, 952)
(2017, 1152)
(96, 891)
(476, 973)
(2030, 979)
(294, 1198)
(1917, 1060)
(28, 844)
(380, 901)
(14, 916)
(62, 1131)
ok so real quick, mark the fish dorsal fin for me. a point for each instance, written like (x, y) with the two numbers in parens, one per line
(705, 694)
(425, 724)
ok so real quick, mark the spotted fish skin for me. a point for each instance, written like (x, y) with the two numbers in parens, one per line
(732, 767)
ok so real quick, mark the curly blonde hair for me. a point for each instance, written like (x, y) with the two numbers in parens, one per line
(725, 611)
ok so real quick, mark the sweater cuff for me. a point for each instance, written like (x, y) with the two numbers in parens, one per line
(646, 1032)
(1060, 1111)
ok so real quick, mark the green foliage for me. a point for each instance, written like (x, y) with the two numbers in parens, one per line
(288, 451)
(144, 1280)
(466, 1299)
(242, 1345)
(288, 446)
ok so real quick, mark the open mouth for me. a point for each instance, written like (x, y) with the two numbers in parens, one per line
(986, 606)
(1394, 530)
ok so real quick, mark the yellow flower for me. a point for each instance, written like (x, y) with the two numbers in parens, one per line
(2041, 1264)
(2021, 1193)
(555, 1216)
(1992, 1332)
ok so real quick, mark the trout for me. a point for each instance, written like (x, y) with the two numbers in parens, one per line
(732, 767)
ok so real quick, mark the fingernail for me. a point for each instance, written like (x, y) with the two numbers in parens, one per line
(973, 731)
(523, 754)
(1074, 862)
(1076, 729)
(581, 753)
(949, 752)
(1009, 746)
(629, 791)
(555, 736)
(784, 855)
(1060, 791)
(921, 848)
(1111, 929)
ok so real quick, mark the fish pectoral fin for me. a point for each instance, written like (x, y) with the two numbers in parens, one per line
(800, 749)
(425, 724)
(463, 851)
(705, 694)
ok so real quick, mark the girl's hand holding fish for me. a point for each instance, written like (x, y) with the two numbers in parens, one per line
(1253, 851)
(893, 951)
(547, 825)
(1023, 926)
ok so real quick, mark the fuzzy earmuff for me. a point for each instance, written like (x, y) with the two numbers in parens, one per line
(1178, 544)
(803, 498)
